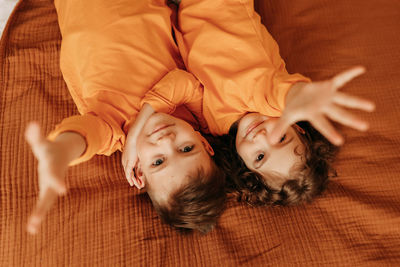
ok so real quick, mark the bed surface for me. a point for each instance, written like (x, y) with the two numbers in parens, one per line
(103, 221)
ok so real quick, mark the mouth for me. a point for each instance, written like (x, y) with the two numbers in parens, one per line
(160, 127)
(252, 127)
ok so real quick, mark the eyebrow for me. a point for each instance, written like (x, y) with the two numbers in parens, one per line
(165, 164)
(265, 159)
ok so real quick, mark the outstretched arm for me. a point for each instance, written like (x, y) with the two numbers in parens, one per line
(53, 160)
(224, 44)
(317, 102)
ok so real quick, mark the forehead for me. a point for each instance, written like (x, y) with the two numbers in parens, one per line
(278, 168)
(282, 162)
(280, 159)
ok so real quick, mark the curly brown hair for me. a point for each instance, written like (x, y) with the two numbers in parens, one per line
(198, 204)
(304, 182)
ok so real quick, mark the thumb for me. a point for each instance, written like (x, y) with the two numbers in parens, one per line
(34, 136)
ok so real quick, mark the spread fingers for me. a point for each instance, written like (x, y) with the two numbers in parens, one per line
(346, 76)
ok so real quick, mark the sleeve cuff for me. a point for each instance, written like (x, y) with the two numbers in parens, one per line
(282, 82)
(88, 127)
(158, 103)
(287, 84)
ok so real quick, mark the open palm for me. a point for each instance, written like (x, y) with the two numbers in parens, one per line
(317, 102)
(52, 167)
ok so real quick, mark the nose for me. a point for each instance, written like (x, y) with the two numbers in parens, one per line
(262, 133)
(260, 138)
(167, 138)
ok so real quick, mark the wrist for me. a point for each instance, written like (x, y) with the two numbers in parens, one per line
(141, 119)
(293, 91)
(70, 146)
(131, 139)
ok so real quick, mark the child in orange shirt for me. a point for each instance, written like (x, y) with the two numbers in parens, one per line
(245, 88)
(111, 55)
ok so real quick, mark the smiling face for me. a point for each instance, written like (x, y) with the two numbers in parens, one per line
(263, 158)
(169, 151)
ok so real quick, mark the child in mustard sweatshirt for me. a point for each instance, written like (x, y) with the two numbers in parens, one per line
(112, 53)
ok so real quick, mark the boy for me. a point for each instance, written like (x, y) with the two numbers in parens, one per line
(111, 54)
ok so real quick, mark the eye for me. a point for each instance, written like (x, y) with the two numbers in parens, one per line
(283, 138)
(259, 157)
(157, 162)
(187, 149)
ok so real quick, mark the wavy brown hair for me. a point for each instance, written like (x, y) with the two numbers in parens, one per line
(304, 182)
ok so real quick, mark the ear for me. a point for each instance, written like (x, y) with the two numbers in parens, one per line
(299, 129)
(139, 179)
(206, 145)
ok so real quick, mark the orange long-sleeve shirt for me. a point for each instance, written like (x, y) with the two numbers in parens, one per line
(226, 47)
(112, 53)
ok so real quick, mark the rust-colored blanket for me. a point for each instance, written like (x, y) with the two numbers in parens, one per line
(103, 221)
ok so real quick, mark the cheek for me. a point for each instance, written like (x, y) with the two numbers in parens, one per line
(184, 128)
(243, 150)
(238, 145)
(144, 152)
(239, 142)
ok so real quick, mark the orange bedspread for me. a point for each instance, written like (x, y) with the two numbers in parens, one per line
(103, 221)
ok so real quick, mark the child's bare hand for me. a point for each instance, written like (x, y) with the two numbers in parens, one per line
(319, 101)
(129, 155)
(52, 166)
(129, 159)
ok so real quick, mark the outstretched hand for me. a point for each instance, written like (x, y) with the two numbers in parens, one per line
(317, 102)
(52, 166)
